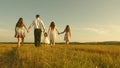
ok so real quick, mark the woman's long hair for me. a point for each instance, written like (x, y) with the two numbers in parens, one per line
(52, 25)
(20, 23)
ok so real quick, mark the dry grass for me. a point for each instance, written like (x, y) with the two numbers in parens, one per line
(60, 56)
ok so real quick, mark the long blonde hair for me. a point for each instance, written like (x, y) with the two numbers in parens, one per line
(67, 29)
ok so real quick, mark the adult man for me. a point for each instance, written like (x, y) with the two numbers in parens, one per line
(38, 26)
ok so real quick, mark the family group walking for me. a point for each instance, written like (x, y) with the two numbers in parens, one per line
(38, 29)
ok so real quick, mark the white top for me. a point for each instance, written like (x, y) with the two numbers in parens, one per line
(38, 24)
(46, 40)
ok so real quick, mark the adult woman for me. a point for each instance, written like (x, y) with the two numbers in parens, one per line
(19, 31)
(52, 33)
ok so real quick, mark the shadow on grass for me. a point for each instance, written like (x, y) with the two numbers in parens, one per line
(8, 58)
(13, 59)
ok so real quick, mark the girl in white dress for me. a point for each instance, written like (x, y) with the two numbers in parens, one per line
(19, 31)
(46, 40)
(52, 33)
(67, 36)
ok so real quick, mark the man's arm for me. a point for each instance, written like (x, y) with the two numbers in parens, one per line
(25, 27)
(43, 26)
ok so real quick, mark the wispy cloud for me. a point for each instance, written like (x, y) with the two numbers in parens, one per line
(113, 28)
(6, 31)
(96, 30)
(3, 30)
(103, 29)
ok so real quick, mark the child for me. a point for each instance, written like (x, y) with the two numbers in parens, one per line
(46, 40)
(67, 36)
(52, 33)
(19, 31)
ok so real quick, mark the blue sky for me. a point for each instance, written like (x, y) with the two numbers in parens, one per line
(90, 20)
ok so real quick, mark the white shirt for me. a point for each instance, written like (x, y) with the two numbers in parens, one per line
(38, 24)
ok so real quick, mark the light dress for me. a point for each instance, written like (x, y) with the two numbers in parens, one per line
(46, 40)
(20, 33)
(52, 34)
(67, 36)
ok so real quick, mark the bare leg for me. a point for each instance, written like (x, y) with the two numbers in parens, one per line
(22, 41)
(51, 42)
(67, 42)
(54, 42)
(18, 42)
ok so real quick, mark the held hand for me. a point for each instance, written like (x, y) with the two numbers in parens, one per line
(58, 33)
(44, 31)
(29, 28)
(28, 31)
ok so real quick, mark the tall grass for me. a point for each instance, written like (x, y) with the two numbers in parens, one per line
(60, 56)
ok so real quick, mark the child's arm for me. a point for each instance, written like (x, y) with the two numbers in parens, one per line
(62, 32)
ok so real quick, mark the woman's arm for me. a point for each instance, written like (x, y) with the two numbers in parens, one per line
(57, 30)
(15, 29)
(25, 27)
(70, 33)
(31, 25)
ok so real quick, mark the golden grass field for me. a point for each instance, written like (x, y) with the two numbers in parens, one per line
(60, 56)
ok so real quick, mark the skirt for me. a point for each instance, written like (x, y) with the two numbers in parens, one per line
(52, 35)
(67, 37)
(19, 33)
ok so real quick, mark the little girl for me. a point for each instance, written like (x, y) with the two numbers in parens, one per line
(19, 31)
(67, 36)
(52, 33)
(46, 40)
